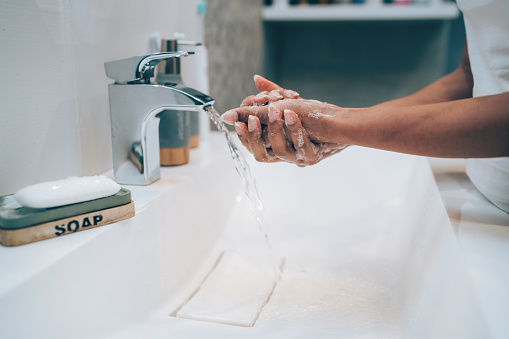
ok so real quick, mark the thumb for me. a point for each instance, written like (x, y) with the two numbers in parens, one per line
(263, 84)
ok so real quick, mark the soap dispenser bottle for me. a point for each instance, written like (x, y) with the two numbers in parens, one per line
(189, 67)
(174, 126)
(195, 72)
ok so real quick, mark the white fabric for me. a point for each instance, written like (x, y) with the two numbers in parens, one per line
(491, 178)
(487, 29)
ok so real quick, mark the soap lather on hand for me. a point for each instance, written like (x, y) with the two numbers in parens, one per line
(270, 128)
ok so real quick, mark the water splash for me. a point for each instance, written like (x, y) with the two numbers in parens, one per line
(248, 184)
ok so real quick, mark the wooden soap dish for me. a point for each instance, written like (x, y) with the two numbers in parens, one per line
(66, 226)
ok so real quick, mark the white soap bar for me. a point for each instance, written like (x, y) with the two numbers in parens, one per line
(234, 293)
(66, 191)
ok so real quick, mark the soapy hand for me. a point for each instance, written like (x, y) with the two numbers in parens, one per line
(269, 92)
(278, 125)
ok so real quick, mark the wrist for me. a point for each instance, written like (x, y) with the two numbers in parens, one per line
(341, 125)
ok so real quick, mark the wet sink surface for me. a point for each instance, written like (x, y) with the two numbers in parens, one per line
(367, 244)
(369, 252)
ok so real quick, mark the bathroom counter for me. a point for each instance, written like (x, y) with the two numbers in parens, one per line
(91, 283)
(19, 264)
(369, 252)
(367, 240)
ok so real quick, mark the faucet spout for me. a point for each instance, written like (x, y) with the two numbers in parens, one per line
(134, 106)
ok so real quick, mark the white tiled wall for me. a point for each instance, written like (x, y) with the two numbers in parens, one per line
(234, 38)
(54, 115)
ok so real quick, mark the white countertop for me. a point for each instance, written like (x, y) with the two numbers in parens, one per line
(369, 252)
(343, 227)
(19, 264)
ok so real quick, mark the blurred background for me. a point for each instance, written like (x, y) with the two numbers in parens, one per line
(350, 54)
(54, 109)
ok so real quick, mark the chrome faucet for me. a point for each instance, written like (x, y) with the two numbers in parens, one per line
(134, 105)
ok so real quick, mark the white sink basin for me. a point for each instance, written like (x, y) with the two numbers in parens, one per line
(369, 249)
(369, 252)
(97, 282)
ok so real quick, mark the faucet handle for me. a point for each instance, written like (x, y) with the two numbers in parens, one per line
(138, 68)
(189, 43)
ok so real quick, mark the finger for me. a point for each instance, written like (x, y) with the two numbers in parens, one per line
(265, 137)
(248, 101)
(255, 140)
(261, 98)
(230, 117)
(275, 95)
(288, 94)
(242, 114)
(261, 112)
(241, 130)
(277, 136)
(304, 147)
(263, 84)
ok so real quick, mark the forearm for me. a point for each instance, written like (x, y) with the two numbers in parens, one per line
(468, 128)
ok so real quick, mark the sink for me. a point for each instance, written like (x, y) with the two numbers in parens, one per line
(367, 245)
(370, 252)
(94, 283)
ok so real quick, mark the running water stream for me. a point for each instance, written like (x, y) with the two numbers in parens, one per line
(248, 184)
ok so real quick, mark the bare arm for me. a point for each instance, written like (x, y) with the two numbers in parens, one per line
(467, 128)
(441, 120)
